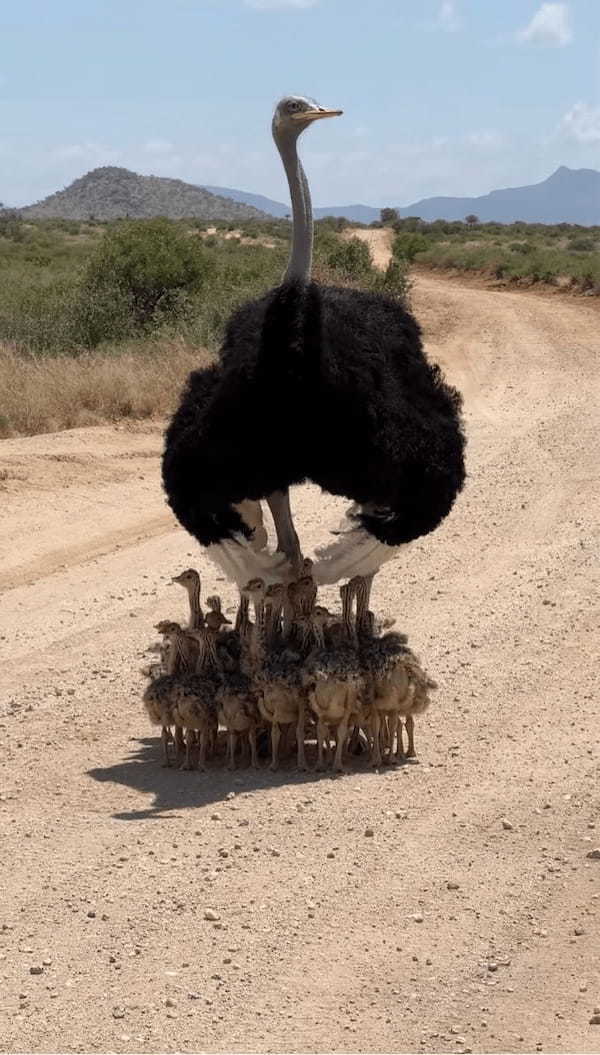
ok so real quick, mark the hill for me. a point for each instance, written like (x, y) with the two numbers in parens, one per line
(110, 193)
(356, 213)
(567, 196)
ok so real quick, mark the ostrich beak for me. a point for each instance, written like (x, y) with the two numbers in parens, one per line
(316, 115)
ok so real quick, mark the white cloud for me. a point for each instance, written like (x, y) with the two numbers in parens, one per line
(549, 25)
(279, 5)
(486, 138)
(582, 123)
(448, 17)
(90, 153)
(158, 146)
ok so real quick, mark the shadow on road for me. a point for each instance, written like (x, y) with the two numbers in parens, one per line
(174, 789)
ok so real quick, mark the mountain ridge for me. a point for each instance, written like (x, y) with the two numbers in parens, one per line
(566, 196)
(110, 193)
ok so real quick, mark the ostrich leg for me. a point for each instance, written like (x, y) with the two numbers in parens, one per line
(287, 538)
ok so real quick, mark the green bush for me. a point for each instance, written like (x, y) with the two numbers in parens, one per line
(394, 281)
(352, 259)
(580, 244)
(150, 266)
(406, 246)
(521, 247)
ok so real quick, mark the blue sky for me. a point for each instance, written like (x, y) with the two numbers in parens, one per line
(439, 96)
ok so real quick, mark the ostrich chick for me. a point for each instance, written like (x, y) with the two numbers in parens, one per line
(333, 679)
(276, 679)
(237, 706)
(396, 685)
(195, 706)
(160, 695)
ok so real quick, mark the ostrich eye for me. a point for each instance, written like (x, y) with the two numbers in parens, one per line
(294, 106)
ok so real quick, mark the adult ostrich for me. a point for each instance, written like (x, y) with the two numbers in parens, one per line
(314, 382)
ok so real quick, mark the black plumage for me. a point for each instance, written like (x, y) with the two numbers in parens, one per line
(326, 384)
(315, 383)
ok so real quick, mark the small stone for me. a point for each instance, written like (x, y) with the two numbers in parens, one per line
(508, 827)
(595, 1019)
(369, 833)
(451, 885)
(47, 962)
(583, 987)
(274, 852)
(37, 969)
(91, 915)
(230, 795)
(330, 854)
(418, 917)
(492, 966)
(594, 855)
(579, 931)
(211, 915)
(169, 1002)
(215, 816)
(118, 1012)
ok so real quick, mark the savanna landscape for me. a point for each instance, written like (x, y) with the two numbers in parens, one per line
(451, 905)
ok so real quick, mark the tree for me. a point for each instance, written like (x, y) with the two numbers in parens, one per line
(389, 216)
(471, 219)
(352, 258)
(152, 263)
(142, 274)
(406, 246)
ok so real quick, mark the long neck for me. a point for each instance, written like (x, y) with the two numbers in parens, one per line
(178, 661)
(196, 613)
(347, 601)
(258, 643)
(299, 264)
(241, 619)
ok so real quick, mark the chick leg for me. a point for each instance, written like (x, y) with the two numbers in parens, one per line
(410, 732)
(275, 738)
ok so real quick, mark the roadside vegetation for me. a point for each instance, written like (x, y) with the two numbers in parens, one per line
(103, 321)
(520, 254)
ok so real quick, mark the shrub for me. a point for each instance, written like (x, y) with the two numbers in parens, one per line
(471, 219)
(11, 225)
(581, 245)
(394, 281)
(406, 246)
(149, 268)
(352, 259)
(521, 247)
(388, 216)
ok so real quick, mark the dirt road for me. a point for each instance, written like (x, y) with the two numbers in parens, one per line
(469, 920)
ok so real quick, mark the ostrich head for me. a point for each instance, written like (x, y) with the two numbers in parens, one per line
(168, 628)
(276, 594)
(294, 113)
(188, 578)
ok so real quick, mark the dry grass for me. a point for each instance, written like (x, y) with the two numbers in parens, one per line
(46, 394)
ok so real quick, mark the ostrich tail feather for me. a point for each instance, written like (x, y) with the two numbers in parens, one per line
(240, 563)
(354, 553)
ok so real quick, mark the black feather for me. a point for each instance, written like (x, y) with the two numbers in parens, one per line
(319, 383)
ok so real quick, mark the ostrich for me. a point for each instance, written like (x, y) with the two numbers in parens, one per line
(190, 580)
(396, 686)
(333, 678)
(277, 677)
(195, 695)
(386, 428)
(161, 694)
